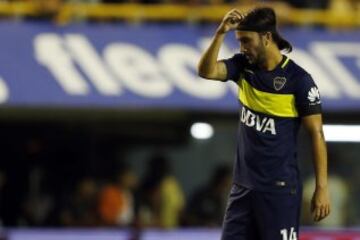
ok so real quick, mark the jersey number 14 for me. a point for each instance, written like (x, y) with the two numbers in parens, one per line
(288, 236)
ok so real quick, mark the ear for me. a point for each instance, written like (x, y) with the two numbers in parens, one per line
(267, 38)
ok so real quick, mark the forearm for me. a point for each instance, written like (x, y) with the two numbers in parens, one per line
(320, 203)
(207, 64)
(319, 158)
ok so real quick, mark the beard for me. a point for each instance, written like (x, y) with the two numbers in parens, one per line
(260, 57)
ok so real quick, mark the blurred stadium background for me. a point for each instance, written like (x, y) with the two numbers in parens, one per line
(107, 133)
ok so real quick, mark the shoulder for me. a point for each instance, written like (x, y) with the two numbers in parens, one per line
(299, 74)
(239, 57)
(294, 69)
(235, 65)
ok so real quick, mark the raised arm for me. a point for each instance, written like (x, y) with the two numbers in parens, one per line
(209, 67)
(320, 203)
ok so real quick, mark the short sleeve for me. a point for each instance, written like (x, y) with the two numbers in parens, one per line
(234, 66)
(307, 96)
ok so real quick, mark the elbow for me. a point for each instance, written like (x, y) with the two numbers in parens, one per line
(200, 71)
(203, 73)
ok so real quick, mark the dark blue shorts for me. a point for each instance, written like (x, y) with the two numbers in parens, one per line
(253, 215)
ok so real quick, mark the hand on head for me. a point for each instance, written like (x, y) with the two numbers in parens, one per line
(231, 21)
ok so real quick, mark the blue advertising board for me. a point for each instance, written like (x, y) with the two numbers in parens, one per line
(152, 66)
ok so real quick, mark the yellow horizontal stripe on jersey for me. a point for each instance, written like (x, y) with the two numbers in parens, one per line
(280, 105)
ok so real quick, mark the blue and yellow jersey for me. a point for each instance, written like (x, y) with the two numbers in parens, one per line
(271, 106)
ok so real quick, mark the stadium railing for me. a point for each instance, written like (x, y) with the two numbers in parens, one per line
(188, 13)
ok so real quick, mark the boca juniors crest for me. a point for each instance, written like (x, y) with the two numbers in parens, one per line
(279, 83)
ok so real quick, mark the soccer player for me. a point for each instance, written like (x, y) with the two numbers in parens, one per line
(276, 96)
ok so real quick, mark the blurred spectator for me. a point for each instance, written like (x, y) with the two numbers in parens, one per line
(207, 205)
(162, 199)
(81, 209)
(38, 204)
(116, 203)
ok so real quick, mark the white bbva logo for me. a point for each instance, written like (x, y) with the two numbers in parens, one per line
(255, 121)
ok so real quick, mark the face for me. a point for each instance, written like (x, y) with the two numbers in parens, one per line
(252, 46)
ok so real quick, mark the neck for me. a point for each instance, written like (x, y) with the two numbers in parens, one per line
(272, 59)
